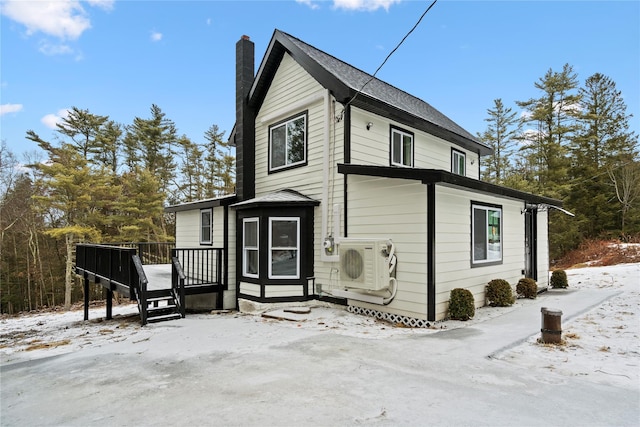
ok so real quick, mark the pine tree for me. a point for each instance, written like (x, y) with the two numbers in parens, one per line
(82, 128)
(553, 118)
(66, 190)
(220, 164)
(601, 146)
(149, 144)
(502, 129)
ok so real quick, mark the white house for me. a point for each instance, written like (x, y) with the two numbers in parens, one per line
(352, 191)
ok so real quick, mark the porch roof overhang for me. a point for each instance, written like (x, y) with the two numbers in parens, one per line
(285, 197)
(435, 176)
(202, 204)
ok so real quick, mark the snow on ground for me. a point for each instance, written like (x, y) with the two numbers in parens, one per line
(333, 367)
(603, 343)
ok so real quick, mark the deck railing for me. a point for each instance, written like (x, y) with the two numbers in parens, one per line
(177, 284)
(201, 266)
(150, 252)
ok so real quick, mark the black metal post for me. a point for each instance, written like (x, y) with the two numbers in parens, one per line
(86, 295)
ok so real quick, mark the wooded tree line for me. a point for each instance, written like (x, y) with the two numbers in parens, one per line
(98, 181)
(101, 181)
(572, 142)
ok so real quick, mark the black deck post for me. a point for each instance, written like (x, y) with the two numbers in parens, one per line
(109, 303)
(86, 295)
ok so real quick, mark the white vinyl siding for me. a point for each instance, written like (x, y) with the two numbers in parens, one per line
(453, 245)
(293, 86)
(394, 209)
(371, 147)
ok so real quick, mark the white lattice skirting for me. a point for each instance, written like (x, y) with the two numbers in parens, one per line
(411, 322)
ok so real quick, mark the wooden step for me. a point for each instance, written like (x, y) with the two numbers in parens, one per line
(162, 307)
(163, 318)
(160, 299)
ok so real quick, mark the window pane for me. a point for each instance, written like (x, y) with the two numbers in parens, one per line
(407, 151)
(284, 234)
(251, 262)
(278, 146)
(396, 148)
(479, 234)
(251, 234)
(284, 263)
(296, 136)
(493, 231)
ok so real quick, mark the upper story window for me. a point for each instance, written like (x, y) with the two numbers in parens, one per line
(486, 234)
(401, 148)
(288, 143)
(458, 162)
(206, 226)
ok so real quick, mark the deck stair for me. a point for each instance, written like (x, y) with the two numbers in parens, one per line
(162, 305)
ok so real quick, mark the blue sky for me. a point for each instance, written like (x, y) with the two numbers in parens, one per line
(117, 58)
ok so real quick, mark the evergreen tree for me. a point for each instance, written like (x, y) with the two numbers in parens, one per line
(67, 190)
(82, 128)
(192, 171)
(149, 144)
(553, 118)
(220, 164)
(502, 129)
(601, 146)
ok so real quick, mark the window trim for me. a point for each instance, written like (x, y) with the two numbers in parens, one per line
(486, 207)
(457, 153)
(402, 132)
(202, 225)
(270, 248)
(245, 248)
(286, 166)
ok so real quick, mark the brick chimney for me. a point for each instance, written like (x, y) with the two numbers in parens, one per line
(245, 137)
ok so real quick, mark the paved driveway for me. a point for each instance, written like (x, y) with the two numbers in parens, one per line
(242, 370)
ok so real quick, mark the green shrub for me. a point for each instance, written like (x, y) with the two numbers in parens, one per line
(527, 288)
(559, 279)
(499, 293)
(461, 304)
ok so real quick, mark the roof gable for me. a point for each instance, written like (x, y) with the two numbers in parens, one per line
(344, 81)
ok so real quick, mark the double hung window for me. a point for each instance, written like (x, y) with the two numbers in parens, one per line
(284, 248)
(250, 248)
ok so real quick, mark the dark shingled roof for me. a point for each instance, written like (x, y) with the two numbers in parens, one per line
(345, 81)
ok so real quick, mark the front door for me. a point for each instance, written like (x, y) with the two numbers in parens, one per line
(531, 243)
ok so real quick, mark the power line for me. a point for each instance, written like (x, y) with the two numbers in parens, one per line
(390, 53)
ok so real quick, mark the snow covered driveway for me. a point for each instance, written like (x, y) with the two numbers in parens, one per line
(334, 368)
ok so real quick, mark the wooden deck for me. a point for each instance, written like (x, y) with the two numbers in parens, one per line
(159, 289)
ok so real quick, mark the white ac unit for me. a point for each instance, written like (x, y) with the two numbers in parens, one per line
(364, 264)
